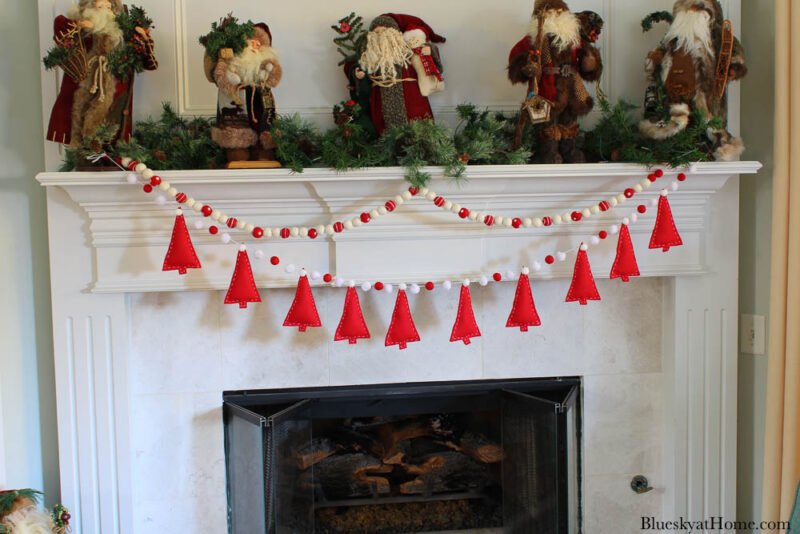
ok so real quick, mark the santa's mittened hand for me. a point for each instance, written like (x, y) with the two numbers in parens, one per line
(589, 63)
(233, 78)
(426, 50)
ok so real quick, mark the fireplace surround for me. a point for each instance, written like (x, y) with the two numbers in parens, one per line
(507, 451)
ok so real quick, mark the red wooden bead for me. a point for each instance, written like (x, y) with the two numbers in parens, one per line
(258, 233)
(181, 198)
(231, 222)
(285, 233)
(681, 177)
(516, 222)
(327, 278)
(547, 221)
(338, 227)
(576, 216)
(365, 218)
(438, 202)
(118, 160)
(274, 260)
(390, 206)
(207, 210)
(497, 277)
(463, 213)
(641, 208)
(603, 234)
(132, 165)
(629, 193)
(550, 260)
(155, 180)
(378, 286)
(652, 177)
(429, 286)
(312, 233)
(147, 188)
(213, 230)
(659, 173)
(604, 206)
(488, 220)
(413, 190)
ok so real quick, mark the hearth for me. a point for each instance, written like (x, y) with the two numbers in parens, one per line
(451, 456)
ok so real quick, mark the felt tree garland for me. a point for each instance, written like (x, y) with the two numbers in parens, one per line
(665, 233)
(352, 326)
(625, 264)
(180, 254)
(243, 286)
(465, 327)
(583, 288)
(523, 312)
(402, 329)
(303, 313)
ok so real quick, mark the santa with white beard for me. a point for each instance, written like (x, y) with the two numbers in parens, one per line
(245, 103)
(554, 66)
(98, 97)
(683, 71)
(403, 63)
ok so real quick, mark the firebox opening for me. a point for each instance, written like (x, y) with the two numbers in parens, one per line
(429, 457)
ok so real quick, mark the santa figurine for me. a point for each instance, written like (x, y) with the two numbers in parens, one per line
(98, 87)
(403, 64)
(554, 59)
(245, 70)
(689, 71)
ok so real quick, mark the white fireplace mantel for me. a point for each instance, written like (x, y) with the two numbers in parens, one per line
(108, 239)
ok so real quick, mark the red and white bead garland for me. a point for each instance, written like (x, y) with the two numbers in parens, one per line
(464, 213)
(153, 181)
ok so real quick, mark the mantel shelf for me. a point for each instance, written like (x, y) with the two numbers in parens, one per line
(129, 232)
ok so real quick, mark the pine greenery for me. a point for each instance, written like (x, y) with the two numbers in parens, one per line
(227, 33)
(100, 141)
(655, 17)
(7, 499)
(348, 146)
(483, 138)
(417, 144)
(351, 38)
(297, 142)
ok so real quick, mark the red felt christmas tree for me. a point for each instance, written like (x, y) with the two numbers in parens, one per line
(181, 254)
(523, 312)
(665, 234)
(352, 325)
(465, 326)
(625, 264)
(582, 288)
(402, 329)
(243, 286)
(303, 312)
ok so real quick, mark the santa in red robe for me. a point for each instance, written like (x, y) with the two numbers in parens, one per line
(403, 64)
(85, 103)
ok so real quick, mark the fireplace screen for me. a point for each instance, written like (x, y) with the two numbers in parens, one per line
(494, 456)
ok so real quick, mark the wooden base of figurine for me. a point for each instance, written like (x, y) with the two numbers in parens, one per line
(253, 164)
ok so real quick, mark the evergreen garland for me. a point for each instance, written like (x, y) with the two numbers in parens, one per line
(415, 144)
(56, 56)
(483, 138)
(297, 142)
(349, 146)
(100, 141)
(129, 19)
(227, 33)
(128, 58)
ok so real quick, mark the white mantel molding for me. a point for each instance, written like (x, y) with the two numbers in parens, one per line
(130, 232)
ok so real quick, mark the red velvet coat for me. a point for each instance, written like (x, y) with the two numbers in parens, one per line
(60, 127)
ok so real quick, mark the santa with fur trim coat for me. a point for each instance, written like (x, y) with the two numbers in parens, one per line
(685, 64)
(558, 69)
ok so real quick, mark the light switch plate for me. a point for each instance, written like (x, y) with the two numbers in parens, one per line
(752, 334)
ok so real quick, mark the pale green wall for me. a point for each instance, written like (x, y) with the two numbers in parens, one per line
(758, 88)
(27, 385)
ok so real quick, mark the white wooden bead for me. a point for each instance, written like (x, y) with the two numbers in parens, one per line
(366, 286)
(226, 237)
(637, 188)
(595, 240)
(303, 232)
(612, 201)
(399, 199)
(241, 225)
(447, 284)
(249, 228)
(329, 229)
(537, 222)
(339, 282)
(172, 191)
(484, 281)
(527, 222)
(276, 233)
(557, 219)
(646, 183)
(348, 225)
(190, 202)
(414, 289)
(430, 195)
(126, 161)
(587, 212)
(216, 215)
(613, 229)
(267, 233)
(382, 210)
(147, 174)
(595, 209)
(423, 191)
(388, 288)
(406, 195)
(473, 215)
(455, 208)
(507, 221)
(634, 217)
(294, 231)
(197, 206)
(510, 274)
(567, 217)
(131, 178)
(374, 214)
(140, 167)
(223, 218)
(164, 186)
(561, 256)
(447, 205)
(621, 198)
(357, 221)
(320, 229)
(315, 275)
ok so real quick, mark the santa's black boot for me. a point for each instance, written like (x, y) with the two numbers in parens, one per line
(570, 151)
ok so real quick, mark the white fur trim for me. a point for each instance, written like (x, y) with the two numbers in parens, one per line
(679, 120)
(564, 27)
(730, 150)
(692, 29)
(415, 33)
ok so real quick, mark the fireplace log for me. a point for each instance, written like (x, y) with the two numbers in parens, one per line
(316, 451)
(351, 475)
(480, 448)
(452, 471)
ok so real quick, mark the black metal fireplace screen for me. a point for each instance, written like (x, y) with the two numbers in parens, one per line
(397, 458)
